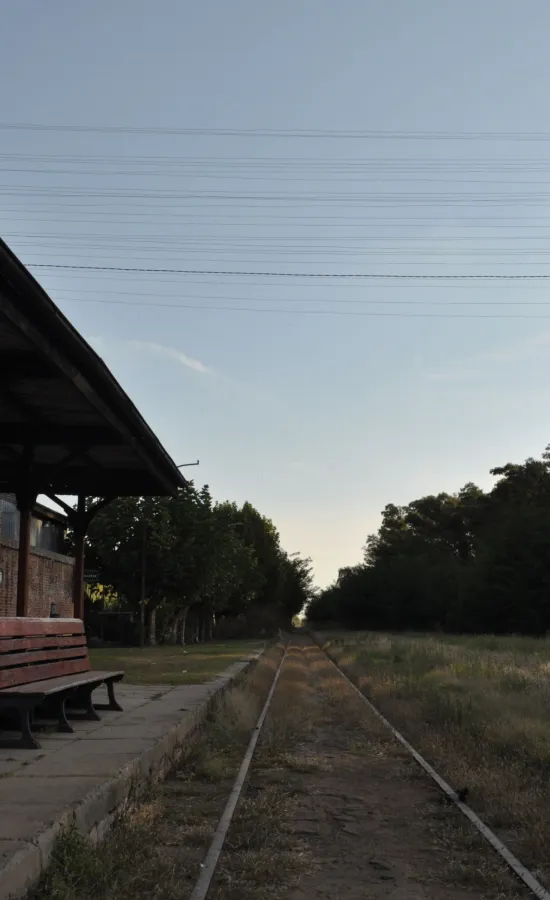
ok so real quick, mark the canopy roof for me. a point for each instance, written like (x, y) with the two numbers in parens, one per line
(65, 422)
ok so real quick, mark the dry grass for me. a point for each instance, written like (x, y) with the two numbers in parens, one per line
(262, 856)
(155, 851)
(478, 709)
(463, 858)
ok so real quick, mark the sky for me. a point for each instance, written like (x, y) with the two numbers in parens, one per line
(319, 400)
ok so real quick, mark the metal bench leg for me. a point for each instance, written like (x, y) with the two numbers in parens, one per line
(62, 722)
(26, 741)
(90, 709)
(112, 704)
(53, 708)
(83, 701)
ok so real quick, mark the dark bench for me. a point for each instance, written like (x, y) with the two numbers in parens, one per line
(45, 673)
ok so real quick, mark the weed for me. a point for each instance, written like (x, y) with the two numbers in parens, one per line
(477, 708)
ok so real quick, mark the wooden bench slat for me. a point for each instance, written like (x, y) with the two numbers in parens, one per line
(9, 660)
(53, 685)
(8, 645)
(24, 675)
(13, 627)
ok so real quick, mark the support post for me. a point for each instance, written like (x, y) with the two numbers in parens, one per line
(24, 558)
(25, 498)
(79, 520)
(79, 524)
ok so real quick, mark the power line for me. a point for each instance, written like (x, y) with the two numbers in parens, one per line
(147, 278)
(312, 175)
(312, 220)
(338, 302)
(420, 258)
(484, 163)
(326, 312)
(352, 134)
(433, 198)
(413, 276)
(272, 222)
(267, 241)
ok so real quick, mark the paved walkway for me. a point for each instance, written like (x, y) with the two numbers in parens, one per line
(84, 777)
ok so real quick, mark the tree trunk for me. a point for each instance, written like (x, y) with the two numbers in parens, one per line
(152, 628)
(202, 628)
(209, 616)
(182, 624)
(172, 632)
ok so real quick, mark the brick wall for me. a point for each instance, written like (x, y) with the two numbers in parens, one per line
(51, 577)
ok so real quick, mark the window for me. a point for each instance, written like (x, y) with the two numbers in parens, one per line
(9, 519)
(45, 535)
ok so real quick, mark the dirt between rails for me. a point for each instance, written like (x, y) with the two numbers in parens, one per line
(371, 823)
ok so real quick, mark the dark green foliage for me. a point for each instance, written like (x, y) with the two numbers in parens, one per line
(470, 561)
(202, 561)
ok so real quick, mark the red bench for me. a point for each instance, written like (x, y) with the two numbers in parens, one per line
(45, 672)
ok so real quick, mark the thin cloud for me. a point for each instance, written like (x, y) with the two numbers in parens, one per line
(171, 353)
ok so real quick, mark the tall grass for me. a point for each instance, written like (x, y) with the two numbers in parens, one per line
(479, 710)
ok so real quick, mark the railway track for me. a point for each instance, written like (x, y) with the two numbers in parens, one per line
(368, 830)
(296, 789)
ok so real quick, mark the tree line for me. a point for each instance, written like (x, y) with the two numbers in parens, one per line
(186, 565)
(471, 561)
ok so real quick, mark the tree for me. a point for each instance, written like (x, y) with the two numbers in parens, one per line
(184, 561)
(468, 561)
(130, 536)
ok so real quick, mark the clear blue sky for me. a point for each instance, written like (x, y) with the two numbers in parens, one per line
(319, 420)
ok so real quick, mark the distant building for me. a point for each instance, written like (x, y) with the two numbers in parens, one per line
(51, 570)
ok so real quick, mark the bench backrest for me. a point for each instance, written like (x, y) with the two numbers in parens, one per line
(37, 649)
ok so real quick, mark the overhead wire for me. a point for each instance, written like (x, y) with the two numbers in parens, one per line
(265, 209)
(302, 133)
(341, 302)
(156, 280)
(362, 275)
(326, 312)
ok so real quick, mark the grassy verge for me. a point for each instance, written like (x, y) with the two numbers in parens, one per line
(156, 849)
(172, 665)
(478, 709)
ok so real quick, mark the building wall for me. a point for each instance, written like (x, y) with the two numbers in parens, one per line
(51, 576)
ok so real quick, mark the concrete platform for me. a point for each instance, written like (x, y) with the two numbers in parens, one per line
(85, 777)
